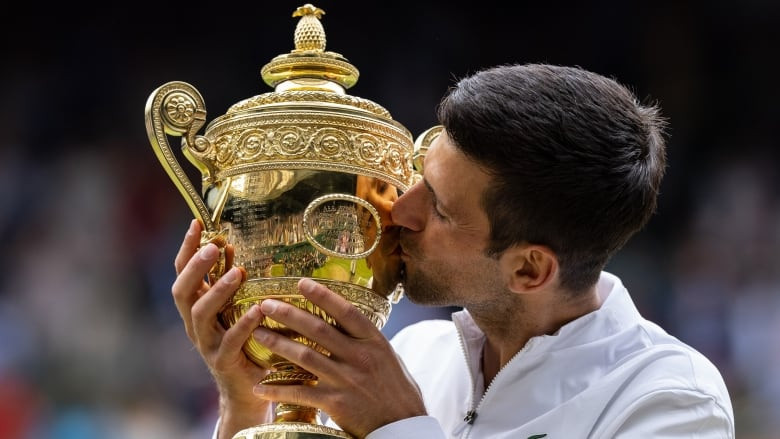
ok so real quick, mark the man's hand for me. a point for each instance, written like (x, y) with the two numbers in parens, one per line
(362, 385)
(199, 304)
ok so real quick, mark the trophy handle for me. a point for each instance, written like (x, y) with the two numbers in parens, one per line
(421, 144)
(176, 108)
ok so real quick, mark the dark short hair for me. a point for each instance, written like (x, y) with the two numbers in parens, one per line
(576, 161)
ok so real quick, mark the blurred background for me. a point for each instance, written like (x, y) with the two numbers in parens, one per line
(90, 342)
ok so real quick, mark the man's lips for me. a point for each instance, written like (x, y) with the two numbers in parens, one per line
(402, 251)
(405, 257)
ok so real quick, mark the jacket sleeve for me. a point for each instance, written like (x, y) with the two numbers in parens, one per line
(673, 414)
(419, 427)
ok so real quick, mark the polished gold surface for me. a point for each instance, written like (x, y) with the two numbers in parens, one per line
(292, 430)
(297, 181)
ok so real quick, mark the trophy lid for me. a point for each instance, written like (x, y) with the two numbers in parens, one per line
(309, 66)
(308, 121)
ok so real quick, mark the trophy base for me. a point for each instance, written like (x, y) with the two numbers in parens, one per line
(291, 430)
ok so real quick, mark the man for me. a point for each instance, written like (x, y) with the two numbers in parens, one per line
(541, 174)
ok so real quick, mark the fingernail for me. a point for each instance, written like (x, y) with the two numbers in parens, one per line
(191, 230)
(254, 312)
(259, 390)
(268, 306)
(231, 276)
(208, 252)
(306, 285)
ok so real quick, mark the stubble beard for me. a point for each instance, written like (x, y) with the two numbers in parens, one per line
(438, 283)
(426, 287)
(424, 283)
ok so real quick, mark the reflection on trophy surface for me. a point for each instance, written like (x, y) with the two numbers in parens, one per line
(384, 262)
(299, 182)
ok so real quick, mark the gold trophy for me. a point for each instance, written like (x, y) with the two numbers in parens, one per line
(297, 181)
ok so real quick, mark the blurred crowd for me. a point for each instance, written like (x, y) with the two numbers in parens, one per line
(91, 345)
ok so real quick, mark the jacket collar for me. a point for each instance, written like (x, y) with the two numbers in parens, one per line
(617, 312)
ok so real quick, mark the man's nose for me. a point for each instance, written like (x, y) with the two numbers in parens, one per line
(408, 211)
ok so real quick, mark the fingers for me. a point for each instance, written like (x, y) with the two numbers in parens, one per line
(298, 353)
(309, 396)
(191, 276)
(189, 246)
(183, 297)
(348, 316)
(357, 327)
(206, 327)
(230, 350)
(189, 284)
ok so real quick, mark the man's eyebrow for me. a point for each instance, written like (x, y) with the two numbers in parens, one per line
(429, 187)
(436, 201)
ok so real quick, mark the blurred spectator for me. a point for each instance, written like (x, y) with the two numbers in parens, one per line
(727, 279)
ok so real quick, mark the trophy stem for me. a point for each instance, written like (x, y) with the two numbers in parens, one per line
(296, 413)
(287, 373)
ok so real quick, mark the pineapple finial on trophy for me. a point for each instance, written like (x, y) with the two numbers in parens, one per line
(309, 66)
(309, 34)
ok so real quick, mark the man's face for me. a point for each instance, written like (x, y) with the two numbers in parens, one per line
(445, 231)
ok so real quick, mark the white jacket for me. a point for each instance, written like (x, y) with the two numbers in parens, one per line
(608, 374)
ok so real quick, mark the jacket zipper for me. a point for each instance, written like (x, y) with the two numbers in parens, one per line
(472, 414)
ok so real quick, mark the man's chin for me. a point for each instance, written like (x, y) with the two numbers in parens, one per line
(420, 292)
(410, 296)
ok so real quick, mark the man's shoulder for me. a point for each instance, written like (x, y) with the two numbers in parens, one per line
(429, 347)
(651, 388)
(679, 366)
(426, 332)
(427, 328)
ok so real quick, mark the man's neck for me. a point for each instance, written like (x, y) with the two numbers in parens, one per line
(507, 330)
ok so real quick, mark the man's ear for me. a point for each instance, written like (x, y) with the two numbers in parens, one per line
(529, 269)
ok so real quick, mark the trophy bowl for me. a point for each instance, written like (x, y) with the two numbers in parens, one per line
(299, 182)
